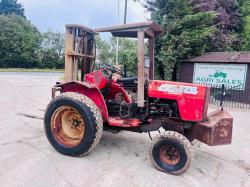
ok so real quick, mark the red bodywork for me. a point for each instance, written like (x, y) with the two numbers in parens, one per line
(90, 91)
(192, 100)
(99, 80)
(92, 87)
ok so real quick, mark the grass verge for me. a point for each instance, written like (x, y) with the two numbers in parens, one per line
(31, 70)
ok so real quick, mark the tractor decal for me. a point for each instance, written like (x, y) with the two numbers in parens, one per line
(219, 74)
(178, 89)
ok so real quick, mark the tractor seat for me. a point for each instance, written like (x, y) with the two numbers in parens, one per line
(128, 82)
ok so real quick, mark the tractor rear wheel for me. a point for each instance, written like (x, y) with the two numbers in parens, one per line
(73, 124)
(171, 152)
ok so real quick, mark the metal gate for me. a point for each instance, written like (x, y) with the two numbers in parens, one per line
(235, 97)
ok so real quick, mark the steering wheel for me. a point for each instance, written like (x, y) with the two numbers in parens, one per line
(111, 68)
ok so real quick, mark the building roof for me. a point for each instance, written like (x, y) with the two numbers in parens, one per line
(130, 30)
(222, 57)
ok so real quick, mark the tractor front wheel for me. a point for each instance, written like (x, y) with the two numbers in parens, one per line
(171, 152)
(73, 124)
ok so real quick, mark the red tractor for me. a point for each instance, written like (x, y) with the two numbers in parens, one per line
(90, 101)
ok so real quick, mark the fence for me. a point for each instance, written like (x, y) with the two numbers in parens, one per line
(230, 96)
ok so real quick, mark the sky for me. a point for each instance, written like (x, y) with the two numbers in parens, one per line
(54, 14)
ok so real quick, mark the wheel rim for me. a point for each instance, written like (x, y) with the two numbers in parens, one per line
(68, 126)
(169, 155)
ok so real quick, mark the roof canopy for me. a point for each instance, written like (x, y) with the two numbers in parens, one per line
(222, 57)
(150, 28)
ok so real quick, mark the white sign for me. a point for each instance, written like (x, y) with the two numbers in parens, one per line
(175, 89)
(231, 75)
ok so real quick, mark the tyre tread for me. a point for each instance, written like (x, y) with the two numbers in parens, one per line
(93, 109)
(181, 139)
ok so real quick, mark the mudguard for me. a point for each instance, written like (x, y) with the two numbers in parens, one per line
(88, 90)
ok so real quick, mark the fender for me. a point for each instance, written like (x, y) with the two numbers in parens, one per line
(88, 90)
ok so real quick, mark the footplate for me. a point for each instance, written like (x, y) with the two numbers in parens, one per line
(216, 131)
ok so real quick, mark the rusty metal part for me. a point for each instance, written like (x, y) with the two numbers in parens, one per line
(170, 155)
(54, 90)
(170, 124)
(153, 126)
(124, 122)
(67, 126)
(216, 131)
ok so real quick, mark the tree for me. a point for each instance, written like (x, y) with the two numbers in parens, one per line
(22, 45)
(8, 7)
(227, 22)
(52, 50)
(245, 25)
(106, 53)
(19, 42)
(127, 54)
(186, 34)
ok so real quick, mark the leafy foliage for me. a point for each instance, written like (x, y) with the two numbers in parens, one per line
(227, 22)
(191, 27)
(104, 52)
(19, 42)
(127, 52)
(245, 26)
(8, 7)
(186, 33)
(23, 46)
(52, 50)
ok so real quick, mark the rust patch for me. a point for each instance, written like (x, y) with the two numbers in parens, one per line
(119, 122)
(173, 125)
(216, 131)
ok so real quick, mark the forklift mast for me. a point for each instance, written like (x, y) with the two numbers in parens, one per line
(80, 52)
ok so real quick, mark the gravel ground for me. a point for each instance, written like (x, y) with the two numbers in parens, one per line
(121, 159)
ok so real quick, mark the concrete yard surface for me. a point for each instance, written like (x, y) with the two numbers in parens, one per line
(27, 159)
